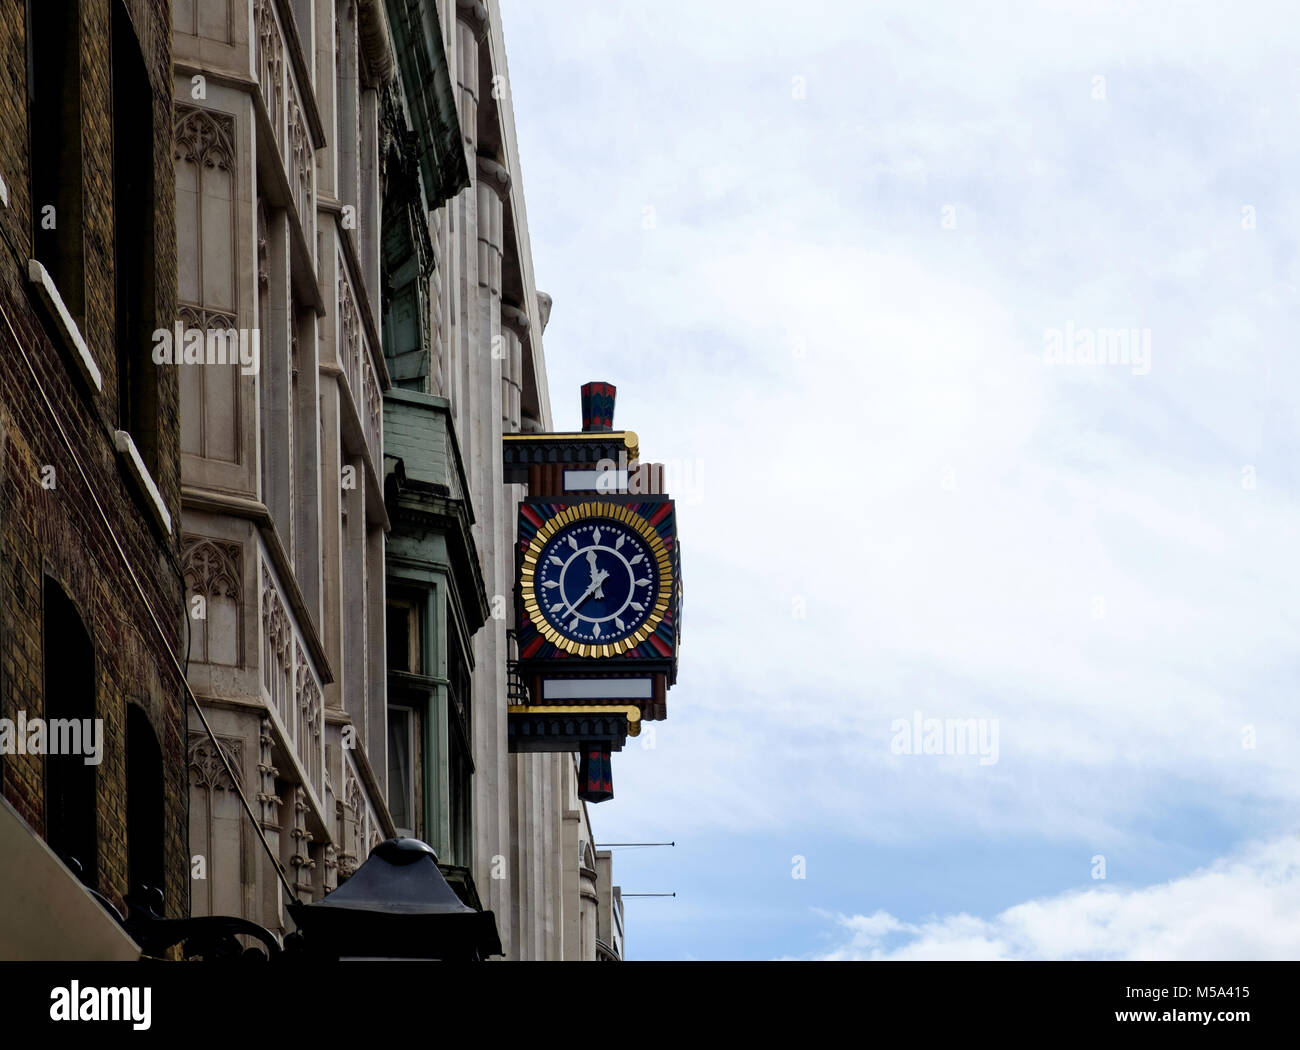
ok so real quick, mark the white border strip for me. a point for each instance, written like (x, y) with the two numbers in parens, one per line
(596, 689)
(43, 281)
(126, 446)
(595, 481)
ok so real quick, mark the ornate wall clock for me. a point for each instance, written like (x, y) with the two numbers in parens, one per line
(596, 579)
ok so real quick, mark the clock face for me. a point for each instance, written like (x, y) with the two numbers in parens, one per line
(597, 582)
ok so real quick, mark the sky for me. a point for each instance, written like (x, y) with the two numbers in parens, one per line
(967, 335)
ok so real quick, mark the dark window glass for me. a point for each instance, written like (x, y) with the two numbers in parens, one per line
(69, 658)
(400, 768)
(399, 638)
(145, 793)
(54, 122)
(133, 256)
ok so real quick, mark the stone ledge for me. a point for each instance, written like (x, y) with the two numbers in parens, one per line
(140, 474)
(49, 294)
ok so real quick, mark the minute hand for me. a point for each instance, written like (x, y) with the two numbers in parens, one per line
(600, 578)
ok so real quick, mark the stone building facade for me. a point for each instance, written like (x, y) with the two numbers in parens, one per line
(267, 309)
(515, 821)
(278, 194)
(91, 583)
(530, 825)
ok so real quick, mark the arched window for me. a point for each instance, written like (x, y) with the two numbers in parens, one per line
(144, 803)
(54, 113)
(133, 217)
(69, 657)
(206, 277)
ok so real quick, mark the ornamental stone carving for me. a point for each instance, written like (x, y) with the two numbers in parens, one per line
(277, 634)
(270, 64)
(268, 800)
(349, 333)
(205, 764)
(302, 838)
(299, 162)
(204, 136)
(211, 567)
(309, 712)
(331, 872)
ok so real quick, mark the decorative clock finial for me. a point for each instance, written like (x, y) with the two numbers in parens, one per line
(598, 406)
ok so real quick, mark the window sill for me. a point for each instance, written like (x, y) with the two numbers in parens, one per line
(140, 474)
(71, 333)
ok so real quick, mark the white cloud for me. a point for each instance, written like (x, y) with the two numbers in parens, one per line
(1244, 907)
(816, 221)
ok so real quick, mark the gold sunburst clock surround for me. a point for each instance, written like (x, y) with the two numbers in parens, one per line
(596, 579)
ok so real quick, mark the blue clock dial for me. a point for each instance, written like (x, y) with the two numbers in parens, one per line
(596, 581)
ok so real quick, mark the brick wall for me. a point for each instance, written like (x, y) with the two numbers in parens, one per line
(58, 531)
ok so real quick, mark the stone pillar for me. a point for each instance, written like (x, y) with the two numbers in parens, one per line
(471, 28)
(533, 799)
(588, 905)
(368, 195)
(331, 523)
(528, 891)
(514, 331)
(518, 902)
(268, 815)
(550, 843)
(275, 335)
(570, 941)
(492, 187)
(307, 453)
(301, 860)
(476, 222)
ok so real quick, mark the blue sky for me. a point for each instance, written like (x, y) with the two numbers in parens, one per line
(825, 251)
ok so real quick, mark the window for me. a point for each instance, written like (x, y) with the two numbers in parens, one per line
(70, 804)
(144, 804)
(404, 637)
(347, 117)
(54, 123)
(401, 769)
(307, 449)
(276, 334)
(460, 771)
(133, 217)
(460, 797)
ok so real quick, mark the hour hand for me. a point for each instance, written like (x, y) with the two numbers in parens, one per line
(597, 577)
(593, 590)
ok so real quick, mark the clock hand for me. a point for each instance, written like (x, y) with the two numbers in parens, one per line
(601, 577)
(594, 589)
(591, 561)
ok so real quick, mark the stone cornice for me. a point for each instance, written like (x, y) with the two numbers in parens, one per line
(515, 319)
(475, 15)
(361, 300)
(376, 42)
(301, 72)
(413, 505)
(361, 759)
(430, 98)
(494, 175)
(209, 501)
